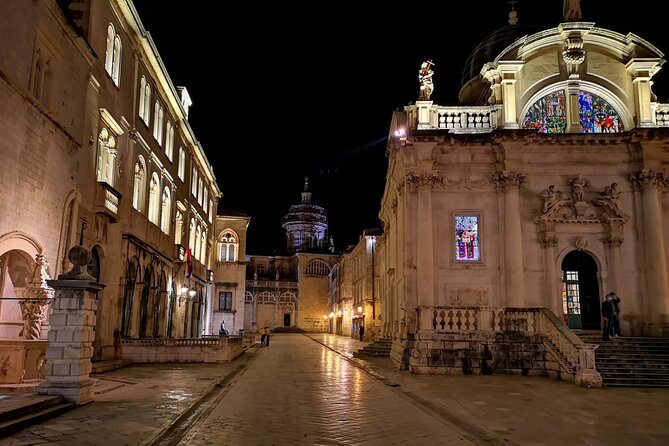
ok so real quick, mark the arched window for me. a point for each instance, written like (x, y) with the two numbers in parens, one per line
(165, 211)
(106, 157)
(317, 267)
(142, 97)
(266, 297)
(191, 236)
(228, 246)
(199, 191)
(156, 123)
(139, 185)
(203, 247)
(193, 187)
(549, 114)
(116, 64)
(147, 103)
(182, 163)
(248, 296)
(198, 242)
(109, 52)
(154, 199)
(287, 298)
(178, 227)
(161, 122)
(205, 200)
(169, 141)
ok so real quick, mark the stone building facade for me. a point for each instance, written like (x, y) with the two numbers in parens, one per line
(519, 214)
(97, 150)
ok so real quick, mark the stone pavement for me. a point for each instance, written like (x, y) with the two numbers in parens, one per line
(309, 390)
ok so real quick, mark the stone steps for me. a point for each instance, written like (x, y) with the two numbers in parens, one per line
(26, 410)
(107, 365)
(380, 348)
(632, 362)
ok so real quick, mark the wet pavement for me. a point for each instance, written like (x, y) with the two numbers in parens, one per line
(309, 390)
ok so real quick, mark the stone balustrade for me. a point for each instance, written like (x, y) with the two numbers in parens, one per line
(209, 350)
(534, 339)
(662, 115)
(458, 119)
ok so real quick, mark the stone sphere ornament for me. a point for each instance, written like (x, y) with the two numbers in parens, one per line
(79, 257)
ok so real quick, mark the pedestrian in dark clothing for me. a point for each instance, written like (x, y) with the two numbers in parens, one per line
(361, 332)
(615, 300)
(266, 336)
(607, 315)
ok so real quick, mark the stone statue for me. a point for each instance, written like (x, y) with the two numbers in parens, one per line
(610, 199)
(553, 199)
(577, 188)
(425, 78)
(572, 11)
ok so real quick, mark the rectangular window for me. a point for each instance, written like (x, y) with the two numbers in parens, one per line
(193, 187)
(205, 200)
(199, 191)
(467, 246)
(225, 301)
(211, 211)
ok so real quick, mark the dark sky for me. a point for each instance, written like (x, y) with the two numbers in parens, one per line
(285, 91)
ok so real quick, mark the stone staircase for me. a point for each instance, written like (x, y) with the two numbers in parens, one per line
(632, 362)
(380, 347)
(20, 411)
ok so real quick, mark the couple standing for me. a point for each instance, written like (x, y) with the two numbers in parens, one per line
(611, 315)
(264, 336)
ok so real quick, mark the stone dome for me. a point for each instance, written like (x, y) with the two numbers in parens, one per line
(474, 89)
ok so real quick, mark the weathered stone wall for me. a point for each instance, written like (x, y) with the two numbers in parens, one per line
(182, 350)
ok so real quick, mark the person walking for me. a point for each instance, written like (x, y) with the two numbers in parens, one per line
(615, 300)
(607, 315)
(266, 336)
(361, 331)
(263, 336)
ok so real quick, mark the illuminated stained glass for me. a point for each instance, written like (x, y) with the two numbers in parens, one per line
(549, 114)
(467, 238)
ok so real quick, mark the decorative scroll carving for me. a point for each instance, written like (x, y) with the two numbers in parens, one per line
(465, 183)
(421, 180)
(613, 242)
(548, 242)
(508, 178)
(393, 205)
(573, 54)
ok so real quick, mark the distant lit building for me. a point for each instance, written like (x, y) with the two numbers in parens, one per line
(292, 290)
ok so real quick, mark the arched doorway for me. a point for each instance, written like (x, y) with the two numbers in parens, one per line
(580, 291)
(15, 267)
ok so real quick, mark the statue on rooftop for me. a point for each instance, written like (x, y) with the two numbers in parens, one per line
(425, 78)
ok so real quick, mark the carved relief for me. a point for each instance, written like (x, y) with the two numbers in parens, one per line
(581, 244)
(508, 178)
(468, 296)
(465, 183)
(647, 177)
(554, 200)
(36, 297)
(423, 180)
(548, 242)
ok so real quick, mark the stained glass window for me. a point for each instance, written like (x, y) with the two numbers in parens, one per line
(467, 247)
(549, 114)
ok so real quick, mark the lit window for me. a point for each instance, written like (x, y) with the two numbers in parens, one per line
(109, 52)
(154, 199)
(178, 227)
(106, 157)
(139, 185)
(205, 200)
(169, 141)
(191, 237)
(116, 65)
(317, 267)
(199, 191)
(193, 188)
(182, 163)
(228, 246)
(156, 123)
(467, 238)
(166, 214)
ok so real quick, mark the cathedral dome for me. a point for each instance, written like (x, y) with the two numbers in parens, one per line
(474, 90)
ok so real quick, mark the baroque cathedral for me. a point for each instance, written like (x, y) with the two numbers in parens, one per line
(508, 218)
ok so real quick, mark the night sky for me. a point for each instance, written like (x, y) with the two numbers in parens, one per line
(310, 90)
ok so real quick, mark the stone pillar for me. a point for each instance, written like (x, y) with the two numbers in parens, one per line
(422, 184)
(573, 109)
(68, 357)
(510, 182)
(642, 70)
(657, 300)
(613, 247)
(35, 299)
(553, 298)
(509, 75)
(424, 119)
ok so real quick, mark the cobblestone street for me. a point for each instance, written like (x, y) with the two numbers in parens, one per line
(309, 390)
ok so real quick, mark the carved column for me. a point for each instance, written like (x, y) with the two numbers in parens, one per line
(68, 358)
(423, 184)
(613, 244)
(642, 70)
(654, 254)
(510, 182)
(36, 297)
(551, 277)
(509, 73)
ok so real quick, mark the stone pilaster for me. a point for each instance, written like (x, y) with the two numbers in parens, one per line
(551, 277)
(510, 183)
(68, 357)
(642, 70)
(613, 245)
(655, 257)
